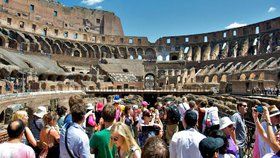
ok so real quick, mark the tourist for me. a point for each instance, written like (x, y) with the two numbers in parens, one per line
(193, 107)
(155, 147)
(100, 141)
(173, 117)
(146, 129)
(90, 121)
(74, 141)
(49, 135)
(122, 138)
(186, 143)
(28, 137)
(37, 122)
(222, 150)
(183, 107)
(128, 117)
(201, 113)
(240, 126)
(116, 102)
(61, 111)
(209, 147)
(13, 148)
(98, 111)
(270, 146)
(227, 126)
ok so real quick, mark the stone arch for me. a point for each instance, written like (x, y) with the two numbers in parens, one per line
(132, 53)
(214, 79)
(224, 51)
(45, 46)
(123, 52)
(140, 53)
(224, 78)
(76, 53)
(206, 52)
(4, 73)
(242, 77)
(150, 54)
(261, 76)
(197, 53)
(206, 79)
(97, 49)
(149, 81)
(91, 51)
(57, 49)
(105, 52)
(115, 52)
(13, 44)
(264, 43)
(215, 53)
(2, 41)
(159, 58)
(83, 50)
(252, 76)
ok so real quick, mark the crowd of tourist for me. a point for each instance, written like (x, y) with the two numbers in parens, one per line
(179, 128)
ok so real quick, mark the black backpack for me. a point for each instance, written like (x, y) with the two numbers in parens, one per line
(173, 114)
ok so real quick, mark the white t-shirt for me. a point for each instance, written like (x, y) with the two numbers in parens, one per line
(185, 144)
(16, 150)
(183, 107)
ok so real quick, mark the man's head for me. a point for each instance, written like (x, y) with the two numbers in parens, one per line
(155, 147)
(192, 104)
(77, 108)
(109, 113)
(190, 119)
(274, 114)
(203, 104)
(209, 147)
(15, 129)
(242, 107)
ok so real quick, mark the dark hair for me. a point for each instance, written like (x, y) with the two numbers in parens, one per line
(108, 113)
(47, 118)
(155, 147)
(203, 103)
(75, 99)
(220, 134)
(127, 108)
(190, 118)
(61, 110)
(15, 129)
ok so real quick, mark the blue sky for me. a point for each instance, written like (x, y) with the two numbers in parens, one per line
(158, 18)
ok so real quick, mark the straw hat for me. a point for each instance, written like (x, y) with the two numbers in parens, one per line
(273, 111)
(41, 111)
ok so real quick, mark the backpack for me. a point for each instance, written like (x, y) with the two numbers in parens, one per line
(211, 118)
(173, 114)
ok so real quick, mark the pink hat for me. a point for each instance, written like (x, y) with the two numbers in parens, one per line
(99, 106)
(144, 103)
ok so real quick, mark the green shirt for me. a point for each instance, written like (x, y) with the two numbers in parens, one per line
(100, 141)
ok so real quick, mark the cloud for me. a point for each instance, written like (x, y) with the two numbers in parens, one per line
(91, 2)
(235, 25)
(99, 7)
(271, 9)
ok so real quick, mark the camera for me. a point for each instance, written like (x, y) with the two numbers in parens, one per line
(259, 109)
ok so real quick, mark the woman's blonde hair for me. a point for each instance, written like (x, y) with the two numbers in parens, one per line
(123, 130)
(19, 115)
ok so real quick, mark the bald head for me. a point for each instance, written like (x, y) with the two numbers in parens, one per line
(15, 129)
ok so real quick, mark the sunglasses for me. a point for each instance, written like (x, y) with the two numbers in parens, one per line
(116, 138)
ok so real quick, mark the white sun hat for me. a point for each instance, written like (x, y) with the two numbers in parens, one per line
(224, 122)
(41, 111)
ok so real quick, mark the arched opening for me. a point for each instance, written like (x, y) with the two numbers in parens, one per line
(123, 52)
(76, 53)
(159, 58)
(174, 57)
(2, 42)
(215, 79)
(132, 53)
(224, 78)
(206, 79)
(105, 52)
(150, 54)
(186, 49)
(140, 54)
(252, 76)
(149, 81)
(242, 77)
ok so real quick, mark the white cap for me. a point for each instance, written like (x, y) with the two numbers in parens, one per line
(41, 111)
(224, 122)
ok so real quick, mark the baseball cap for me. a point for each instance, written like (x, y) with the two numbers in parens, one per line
(208, 146)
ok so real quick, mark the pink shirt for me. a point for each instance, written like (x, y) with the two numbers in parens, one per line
(16, 150)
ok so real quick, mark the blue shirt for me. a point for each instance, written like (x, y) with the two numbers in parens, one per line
(77, 140)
